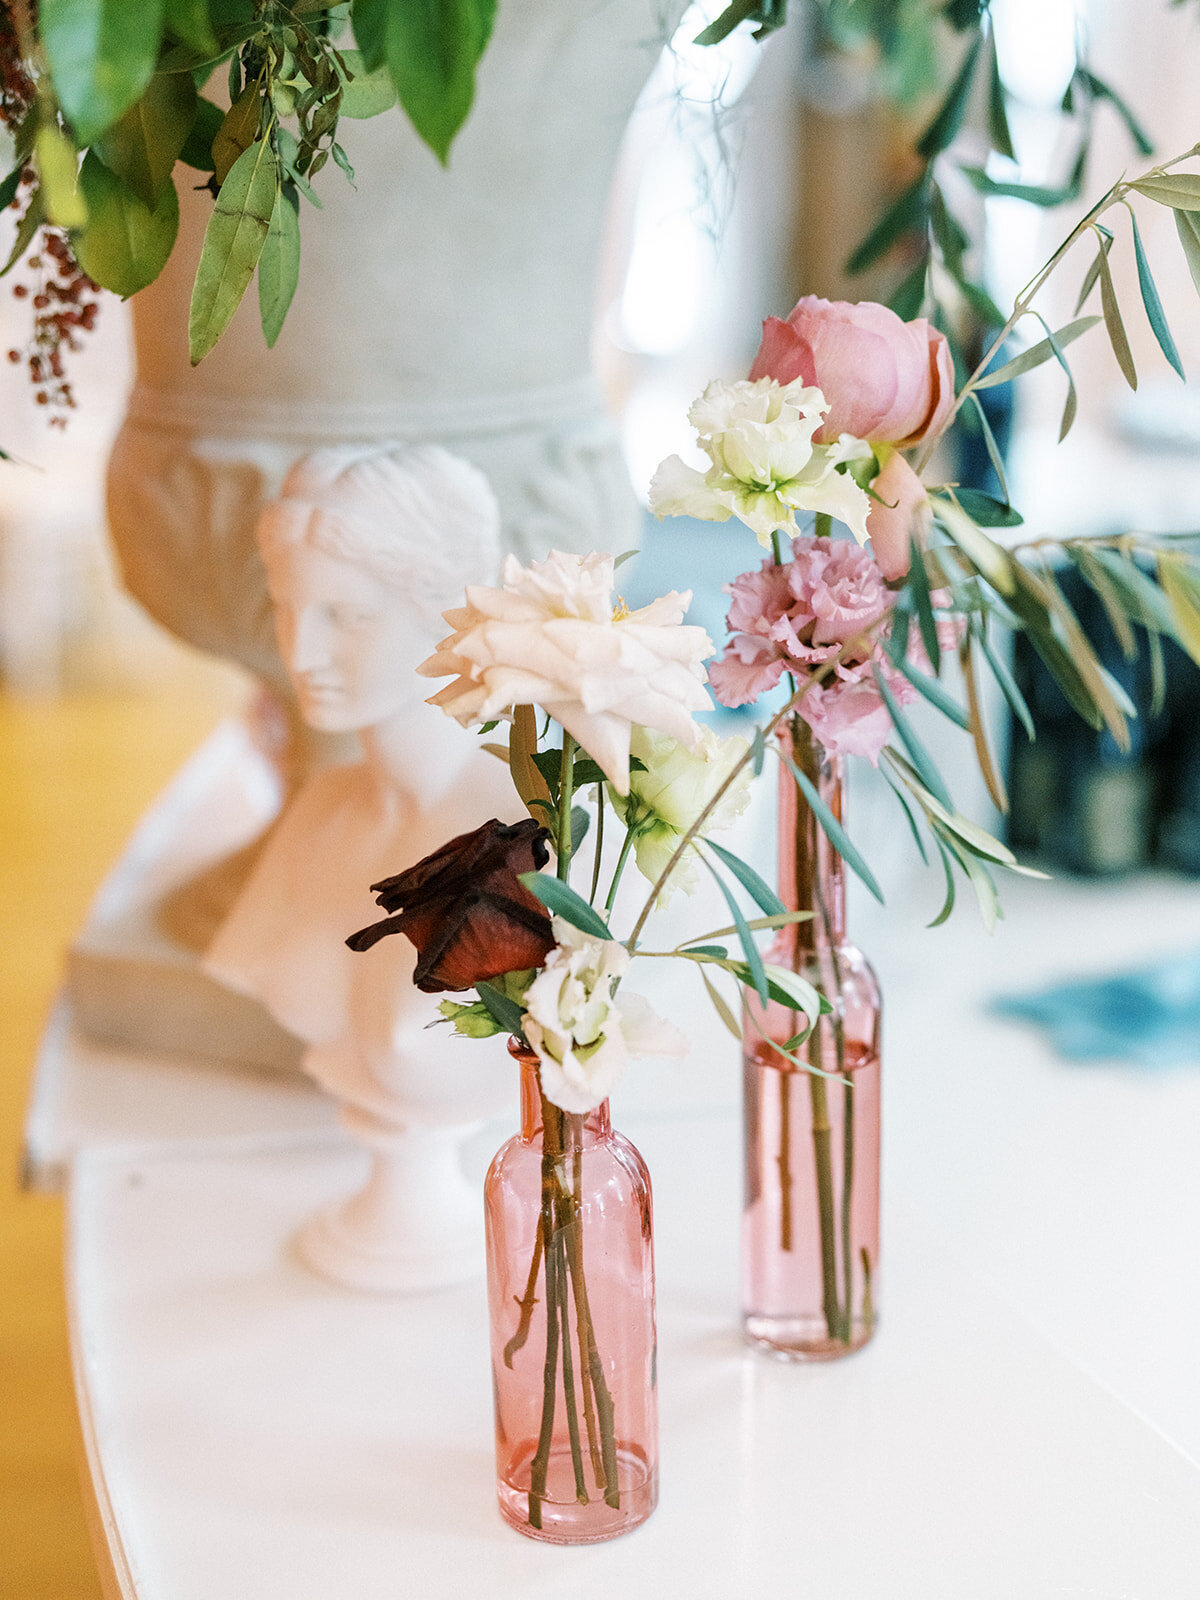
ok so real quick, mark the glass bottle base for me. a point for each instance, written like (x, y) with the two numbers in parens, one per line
(563, 1519)
(804, 1338)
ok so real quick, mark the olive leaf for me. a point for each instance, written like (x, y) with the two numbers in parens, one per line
(1117, 336)
(238, 131)
(1179, 190)
(101, 55)
(125, 244)
(1051, 345)
(233, 242)
(1187, 225)
(279, 264)
(1155, 314)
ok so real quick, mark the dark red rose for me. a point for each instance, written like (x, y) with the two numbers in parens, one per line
(465, 909)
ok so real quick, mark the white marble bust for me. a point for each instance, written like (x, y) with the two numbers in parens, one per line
(364, 549)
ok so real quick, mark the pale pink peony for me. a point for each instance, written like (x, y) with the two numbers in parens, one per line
(885, 380)
(551, 636)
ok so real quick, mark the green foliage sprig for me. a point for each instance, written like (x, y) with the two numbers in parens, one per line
(119, 82)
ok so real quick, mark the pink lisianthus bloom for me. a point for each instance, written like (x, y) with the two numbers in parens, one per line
(795, 616)
(887, 381)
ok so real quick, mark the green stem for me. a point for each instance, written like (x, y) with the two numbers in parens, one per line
(589, 1410)
(626, 847)
(599, 850)
(560, 1272)
(566, 793)
(541, 1458)
(528, 1300)
(847, 1196)
(785, 1157)
(824, 1165)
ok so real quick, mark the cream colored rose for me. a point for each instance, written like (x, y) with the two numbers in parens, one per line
(765, 466)
(670, 793)
(582, 1036)
(551, 636)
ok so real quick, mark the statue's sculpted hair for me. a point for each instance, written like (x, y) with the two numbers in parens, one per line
(415, 517)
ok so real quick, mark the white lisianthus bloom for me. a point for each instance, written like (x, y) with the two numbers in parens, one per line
(553, 636)
(765, 466)
(582, 1036)
(666, 798)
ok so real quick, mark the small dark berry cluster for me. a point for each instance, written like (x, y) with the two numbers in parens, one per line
(17, 89)
(64, 307)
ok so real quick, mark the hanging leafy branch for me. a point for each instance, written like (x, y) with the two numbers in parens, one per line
(924, 48)
(119, 82)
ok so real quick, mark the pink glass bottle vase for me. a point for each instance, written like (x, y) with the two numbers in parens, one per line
(810, 1227)
(570, 1264)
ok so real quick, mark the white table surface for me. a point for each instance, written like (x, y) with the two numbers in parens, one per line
(255, 1433)
(1013, 1432)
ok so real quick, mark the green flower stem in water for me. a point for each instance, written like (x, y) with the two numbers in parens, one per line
(626, 847)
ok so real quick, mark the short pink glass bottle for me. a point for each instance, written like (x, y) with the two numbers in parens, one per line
(570, 1263)
(810, 1225)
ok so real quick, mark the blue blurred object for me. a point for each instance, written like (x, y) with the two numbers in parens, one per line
(1151, 1017)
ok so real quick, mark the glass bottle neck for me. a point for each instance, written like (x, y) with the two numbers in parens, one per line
(811, 874)
(576, 1131)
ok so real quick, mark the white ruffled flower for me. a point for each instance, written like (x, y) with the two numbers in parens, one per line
(765, 466)
(552, 636)
(582, 1036)
(666, 798)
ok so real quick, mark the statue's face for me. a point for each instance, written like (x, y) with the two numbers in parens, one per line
(350, 643)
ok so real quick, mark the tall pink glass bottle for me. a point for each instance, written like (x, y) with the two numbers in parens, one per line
(570, 1259)
(810, 1227)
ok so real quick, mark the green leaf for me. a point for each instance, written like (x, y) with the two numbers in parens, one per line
(908, 814)
(718, 952)
(993, 449)
(1093, 272)
(1117, 336)
(562, 901)
(728, 20)
(917, 754)
(1037, 353)
(909, 297)
(833, 830)
(918, 583)
(988, 558)
(279, 264)
(1008, 684)
(125, 244)
(367, 93)
(754, 963)
(1097, 578)
(1187, 225)
(198, 146)
(143, 146)
(1033, 193)
(998, 129)
(8, 189)
(35, 215)
(945, 125)
(580, 823)
(935, 694)
(761, 893)
(801, 995)
(951, 890)
(1103, 91)
(189, 21)
(985, 889)
(59, 178)
(1143, 599)
(431, 49)
(906, 214)
(101, 55)
(1155, 314)
(233, 242)
(1179, 190)
(1185, 604)
(986, 511)
(720, 1006)
(238, 130)
(506, 1012)
(1158, 674)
